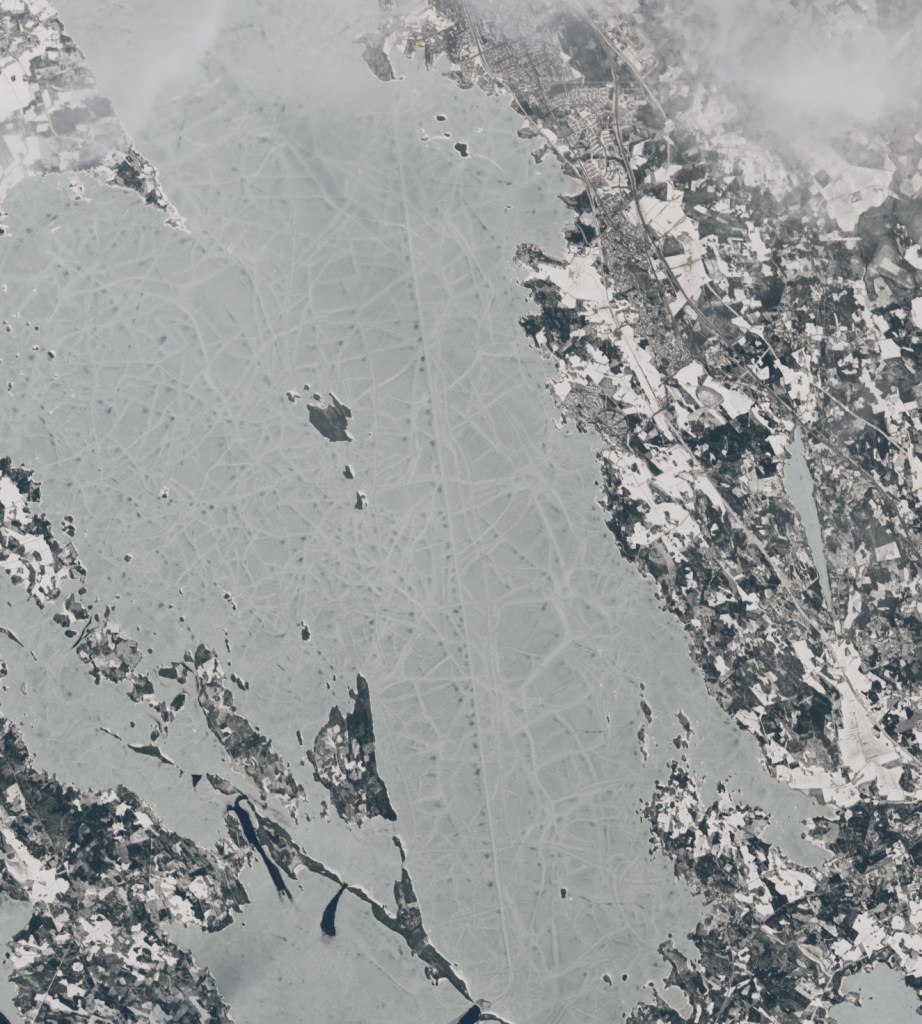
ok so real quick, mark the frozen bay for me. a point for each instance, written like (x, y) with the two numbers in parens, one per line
(504, 640)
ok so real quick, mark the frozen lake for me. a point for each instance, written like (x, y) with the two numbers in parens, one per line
(479, 592)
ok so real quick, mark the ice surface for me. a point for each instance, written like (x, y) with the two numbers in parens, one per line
(279, 967)
(884, 997)
(14, 915)
(331, 249)
(798, 483)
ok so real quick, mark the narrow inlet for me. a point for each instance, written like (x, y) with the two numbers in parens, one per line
(799, 484)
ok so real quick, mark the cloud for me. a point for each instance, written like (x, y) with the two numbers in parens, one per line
(791, 67)
(156, 53)
(802, 66)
